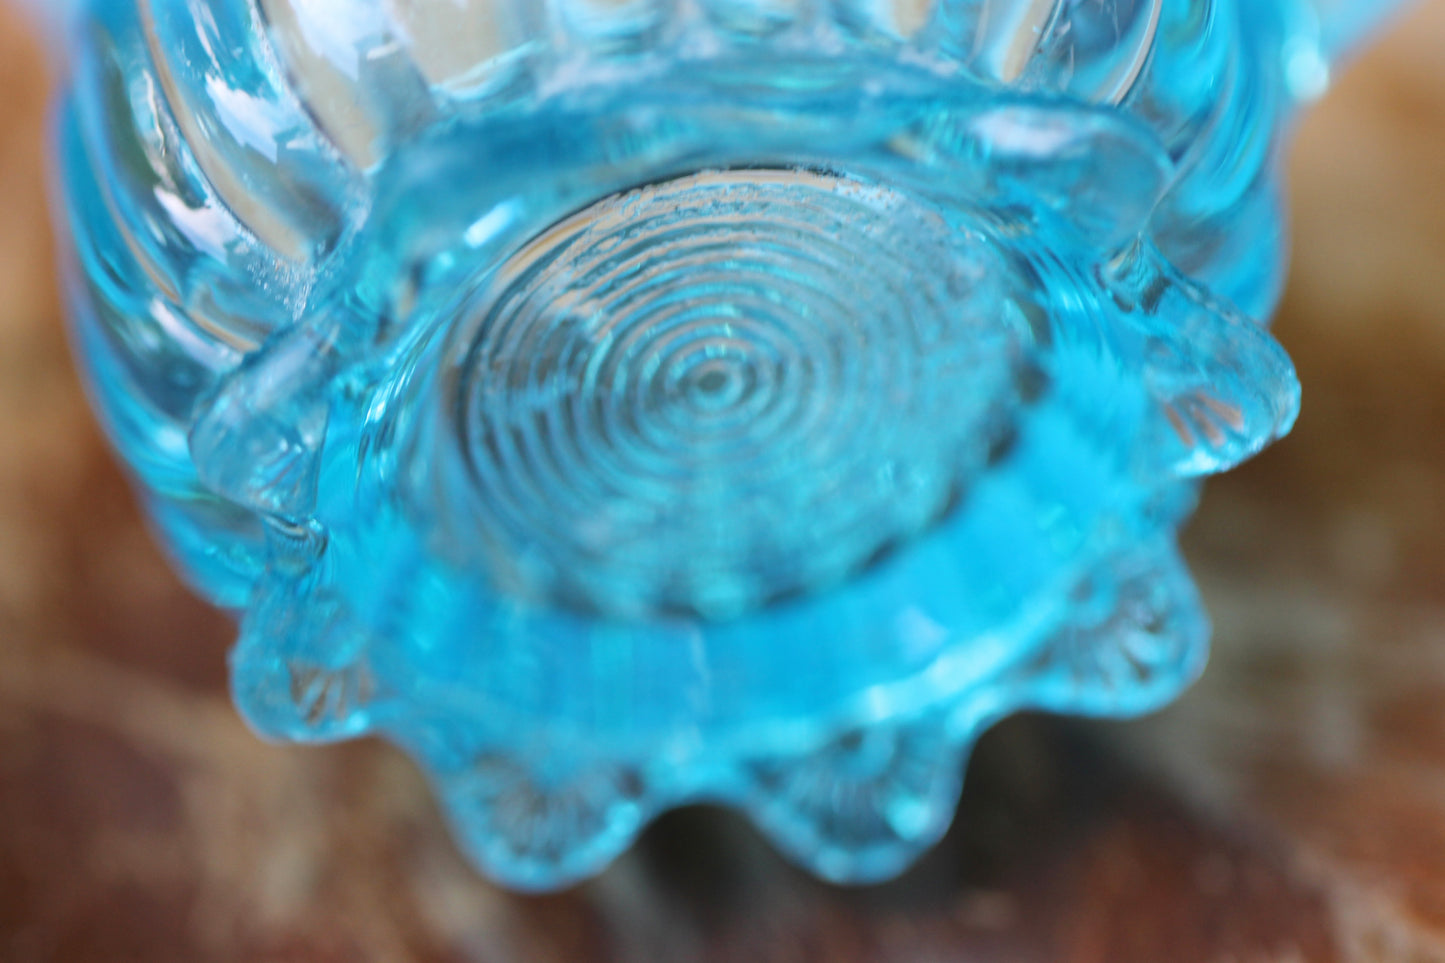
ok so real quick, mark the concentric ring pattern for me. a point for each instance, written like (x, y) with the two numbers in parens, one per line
(713, 392)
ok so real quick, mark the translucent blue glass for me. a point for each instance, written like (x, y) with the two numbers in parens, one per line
(620, 403)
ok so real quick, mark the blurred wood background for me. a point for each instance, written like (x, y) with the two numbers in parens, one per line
(1291, 809)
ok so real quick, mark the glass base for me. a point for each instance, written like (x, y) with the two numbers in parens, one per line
(653, 403)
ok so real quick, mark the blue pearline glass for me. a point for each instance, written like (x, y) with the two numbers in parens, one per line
(619, 405)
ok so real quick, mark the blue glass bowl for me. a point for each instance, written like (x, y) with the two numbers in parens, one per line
(620, 404)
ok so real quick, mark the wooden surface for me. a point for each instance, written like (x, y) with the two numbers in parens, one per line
(1290, 810)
